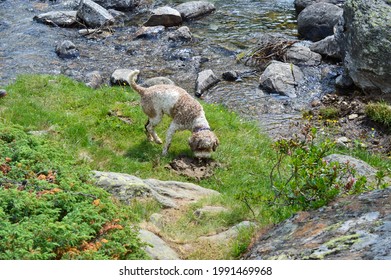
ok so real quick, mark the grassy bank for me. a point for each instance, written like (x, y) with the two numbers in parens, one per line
(104, 130)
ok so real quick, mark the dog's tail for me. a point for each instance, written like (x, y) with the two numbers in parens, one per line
(132, 82)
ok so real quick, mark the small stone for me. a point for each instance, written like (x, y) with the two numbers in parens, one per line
(3, 93)
(67, 50)
(352, 116)
(120, 76)
(343, 140)
(165, 16)
(230, 76)
(94, 79)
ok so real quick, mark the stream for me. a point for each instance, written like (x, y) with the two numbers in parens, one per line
(27, 46)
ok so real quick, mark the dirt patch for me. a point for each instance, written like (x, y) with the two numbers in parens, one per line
(342, 118)
(192, 167)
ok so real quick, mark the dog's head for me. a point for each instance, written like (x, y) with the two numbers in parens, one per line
(203, 143)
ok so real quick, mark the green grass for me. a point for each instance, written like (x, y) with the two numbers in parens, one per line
(80, 118)
(87, 124)
(379, 112)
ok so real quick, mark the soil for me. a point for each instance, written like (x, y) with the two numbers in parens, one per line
(350, 125)
(194, 168)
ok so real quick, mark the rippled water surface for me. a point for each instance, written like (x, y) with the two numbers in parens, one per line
(28, 47)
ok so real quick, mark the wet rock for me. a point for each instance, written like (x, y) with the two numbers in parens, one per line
(281, 78)
(120, 77)
(67, 50)
(353, 227)
(205, 80)
(150, 32)
(94, 79)
(157, 81)
(182, 34)
(170, 194)
(165, 16)
(58, 18)
(327, 47)
(119, 17)
(302, 4)
(317, 21)
(94, 15)
(301, 55)
(126, 5)
(195, 9)
(365, 37)
(230, 76)
(158, 248)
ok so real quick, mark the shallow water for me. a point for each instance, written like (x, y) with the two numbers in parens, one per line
(28, 47)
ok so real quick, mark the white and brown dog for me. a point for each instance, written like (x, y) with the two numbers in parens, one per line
(185, 111)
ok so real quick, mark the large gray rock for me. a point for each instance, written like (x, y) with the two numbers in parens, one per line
(351, 228)
(165, 16)
(317, 21)
(281, 78)
(118, 4)
(302, 55)
(365, 37)
(328, 48)
(170, 194)
(58, 18)
(94, 15)
(195, 9)
(302, 4)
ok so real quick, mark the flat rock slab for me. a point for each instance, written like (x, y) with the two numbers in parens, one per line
(170, 194)
(195, 9)
(58, 18)
(229, 234)
(353, 227)
(157, 249)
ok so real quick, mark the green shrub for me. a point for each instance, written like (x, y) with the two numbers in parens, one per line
(310, 181)
(48, 209)
(329, 112)
(379, 112)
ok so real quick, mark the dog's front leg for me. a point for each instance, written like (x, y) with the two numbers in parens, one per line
(170, 132)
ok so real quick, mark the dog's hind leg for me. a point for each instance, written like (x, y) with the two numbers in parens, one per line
(149, 135)
(170, 132)
(150, 128)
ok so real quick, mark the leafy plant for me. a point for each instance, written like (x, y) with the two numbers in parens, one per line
(310, 181)
(49, 210)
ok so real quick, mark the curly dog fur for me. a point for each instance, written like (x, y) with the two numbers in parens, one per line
(185, 111)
